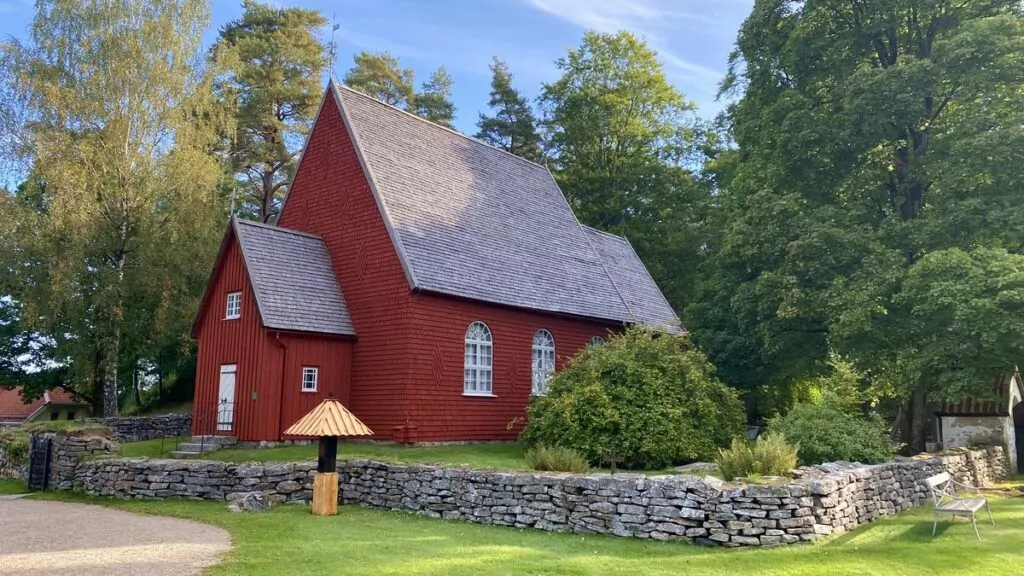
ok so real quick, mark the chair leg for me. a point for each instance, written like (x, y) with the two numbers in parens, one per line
(975, 524)
(935, 524)
(990, 518)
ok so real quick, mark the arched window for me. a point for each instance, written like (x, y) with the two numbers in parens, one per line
(596, 341)
(543, 360)
(477, 372)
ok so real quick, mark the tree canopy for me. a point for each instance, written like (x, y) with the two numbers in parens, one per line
(871, 138)
(270, 65)
(513, 127)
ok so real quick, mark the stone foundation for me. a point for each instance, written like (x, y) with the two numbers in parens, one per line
(13, 463)
(135, 428)
(828, 499)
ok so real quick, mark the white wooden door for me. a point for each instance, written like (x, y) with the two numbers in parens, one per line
(226, 398)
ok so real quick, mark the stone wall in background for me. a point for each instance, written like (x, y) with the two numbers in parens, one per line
(135, 428)
(827, 499)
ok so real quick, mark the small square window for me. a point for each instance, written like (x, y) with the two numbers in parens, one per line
(71, 414)
(309, 378)
(54, 415)
(234, 306)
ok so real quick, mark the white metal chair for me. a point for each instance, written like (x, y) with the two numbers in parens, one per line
(949, 501)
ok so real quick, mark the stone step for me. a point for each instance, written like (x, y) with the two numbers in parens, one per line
(197, 447)
(218, 440)
(179, 455)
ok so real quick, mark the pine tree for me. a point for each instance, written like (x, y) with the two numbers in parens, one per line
(273, 64)
(434, 101)
(380, 75)
(513, 127)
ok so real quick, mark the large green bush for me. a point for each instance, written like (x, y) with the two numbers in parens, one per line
(649, 398)
(826, 433)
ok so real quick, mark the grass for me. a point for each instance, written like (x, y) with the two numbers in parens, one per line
(288, 540)
(478, 455)
(12, 487)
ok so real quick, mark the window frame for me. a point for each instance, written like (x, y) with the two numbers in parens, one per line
(542, 361)
(596, 341)
(237, 296)
(479, 362)
(315, 371)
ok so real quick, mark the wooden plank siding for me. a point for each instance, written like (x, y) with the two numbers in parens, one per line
(438, 324)
(331, 198)
(242, 342)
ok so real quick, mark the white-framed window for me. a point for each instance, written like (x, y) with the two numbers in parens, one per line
(310, 376)
(596, 341)
(543, 360)
(478, 361)
(233, 309)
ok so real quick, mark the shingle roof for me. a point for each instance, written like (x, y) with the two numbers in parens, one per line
(633, 281)
(474, 221)
(293, 280)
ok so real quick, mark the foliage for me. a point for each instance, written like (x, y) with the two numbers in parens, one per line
(556, 459)
(896, 144)
(644, 396)
(434, 101)
(769, 455)
(14, 445)
(513, 127)
(270, 63)
(108, 243)
(380, 75)
(621, 140)
(26, 358)
(827, 432)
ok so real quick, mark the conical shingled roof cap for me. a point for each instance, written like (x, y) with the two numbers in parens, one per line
(329, 418)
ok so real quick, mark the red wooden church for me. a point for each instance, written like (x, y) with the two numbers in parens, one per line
(428, 281)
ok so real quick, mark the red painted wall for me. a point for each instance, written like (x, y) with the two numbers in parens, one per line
(438, 323)
(263, 409)
(242, 342)
(331, 198)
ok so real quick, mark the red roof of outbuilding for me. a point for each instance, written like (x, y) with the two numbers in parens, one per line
(14, 409)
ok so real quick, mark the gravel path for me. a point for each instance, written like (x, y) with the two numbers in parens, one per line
(40, 537)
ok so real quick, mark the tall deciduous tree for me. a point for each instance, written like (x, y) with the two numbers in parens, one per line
(434, 100)
(620, 138)
(513, 127)
(380, 75)
(873, 137)
(271, 62)
(118, 133)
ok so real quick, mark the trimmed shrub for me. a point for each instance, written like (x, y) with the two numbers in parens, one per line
(647, 397)
(556, 459)
(827, 433)
(769, 455)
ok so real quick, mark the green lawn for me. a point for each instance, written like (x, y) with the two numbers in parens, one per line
(288, 540)
(12, 487)
(479, 455)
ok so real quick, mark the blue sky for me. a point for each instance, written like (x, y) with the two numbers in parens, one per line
(693, 37)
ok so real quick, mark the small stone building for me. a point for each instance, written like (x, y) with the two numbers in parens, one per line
(998, 421)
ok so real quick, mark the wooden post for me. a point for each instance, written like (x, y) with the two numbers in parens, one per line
(327, 460)
(325, 494)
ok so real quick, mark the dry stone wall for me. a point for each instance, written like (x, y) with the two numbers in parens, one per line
(827, 499)
(135, 428)
(13, 460)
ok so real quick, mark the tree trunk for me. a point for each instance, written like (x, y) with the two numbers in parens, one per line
(97, 381)
(113, 341)
(918, 420)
